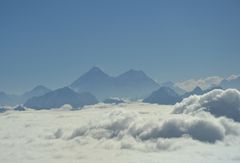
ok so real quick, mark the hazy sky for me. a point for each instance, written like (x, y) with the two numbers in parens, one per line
(53, 42)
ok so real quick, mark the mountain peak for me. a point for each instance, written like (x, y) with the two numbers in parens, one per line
(40, 87)
(64, 89)
(36, 91)
(132, 83)
(164, 95)
(133, 74)
(95, 72)
(133, 71)
(197, 89)
(95, 69)
(59, 97)
(93, 76)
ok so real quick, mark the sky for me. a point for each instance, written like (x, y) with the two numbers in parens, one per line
(53, 42)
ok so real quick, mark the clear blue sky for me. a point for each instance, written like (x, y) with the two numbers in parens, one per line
(52, 42)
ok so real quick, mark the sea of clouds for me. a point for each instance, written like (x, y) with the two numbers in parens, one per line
(206, 127)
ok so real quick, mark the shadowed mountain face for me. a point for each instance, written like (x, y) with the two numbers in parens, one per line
(131, 84)
(59, 97)
(164, 95)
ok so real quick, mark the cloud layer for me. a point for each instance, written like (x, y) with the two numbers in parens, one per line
(132, 131)
(217, 102)
(207, 118)
(128, 132)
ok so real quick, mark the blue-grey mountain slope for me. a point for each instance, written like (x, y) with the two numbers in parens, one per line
(135, 84)
(59, 97)
(12, 100)
(35, 92)
(131, 84)
(164, 96)
(95, 81)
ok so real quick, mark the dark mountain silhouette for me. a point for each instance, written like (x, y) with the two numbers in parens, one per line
(164, 96)
(59, 97)
(131, 84)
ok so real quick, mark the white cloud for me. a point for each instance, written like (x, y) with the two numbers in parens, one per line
(232, 77)
(129, 132)
(217, 102)
(134, 132)
(205, 83)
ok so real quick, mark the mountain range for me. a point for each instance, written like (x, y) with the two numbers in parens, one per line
(167, 96)
(6, 99)
(132, 84)
(96, 84)
(59, 97)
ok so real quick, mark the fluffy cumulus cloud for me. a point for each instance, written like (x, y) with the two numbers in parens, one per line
(134, 132)
(128, 132)
(217, 102)
(208, 118)
(205, 83)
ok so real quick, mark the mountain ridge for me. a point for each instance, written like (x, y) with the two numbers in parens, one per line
(130, 84)
(60, 97)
